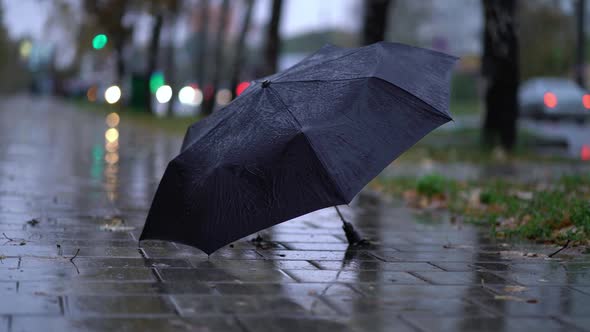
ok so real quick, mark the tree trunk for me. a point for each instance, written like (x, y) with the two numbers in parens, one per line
(581, 43)
(500, 68)
(170, 61)
(273, 39)
(118, 45)
(375, 20)
(153, 55)
(200, 74)
(218, 56)
(239, 56)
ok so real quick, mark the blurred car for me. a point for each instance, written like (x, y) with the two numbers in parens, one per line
(553, 99)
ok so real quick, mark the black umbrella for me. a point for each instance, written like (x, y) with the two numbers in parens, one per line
(307, 138)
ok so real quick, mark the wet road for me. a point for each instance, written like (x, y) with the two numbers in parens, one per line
(576, 135)
(74, 192)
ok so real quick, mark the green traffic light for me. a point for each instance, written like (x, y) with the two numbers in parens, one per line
(156, 81)
(99, 41)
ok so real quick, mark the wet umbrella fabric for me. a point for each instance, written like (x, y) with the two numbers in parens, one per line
(307, 138)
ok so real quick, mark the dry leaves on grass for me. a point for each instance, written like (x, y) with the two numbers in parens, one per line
(418, 201)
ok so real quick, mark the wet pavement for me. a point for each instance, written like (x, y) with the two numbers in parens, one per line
(73, 197)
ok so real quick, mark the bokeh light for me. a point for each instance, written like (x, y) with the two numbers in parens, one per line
(586, 101)
(112, 94)
(112, 120)
(550, 99)
(111, 135)
(99, 41)
(208, 92)
(164, 94)
(91, 94)
(242, 87)
(111, 158)
(25, 48)
(585, 152)
(186, 95)
(156, 81)
(223, 97)
(111, 146)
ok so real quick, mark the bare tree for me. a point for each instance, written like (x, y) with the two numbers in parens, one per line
(202, 46)
(273, 39)
(154, 48)
(500, 68)
(109, 15)
(170, 66)
(375, 20)
(581, 43)
(239, 56)
(218, 56)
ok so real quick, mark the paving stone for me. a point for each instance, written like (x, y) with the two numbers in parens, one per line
(17, 304)
(288, 289)
(460, 278)
(422, 291)
(188, 305)
(557, 277)
(471, 266)
(435, 257)
(306, 238)
(8, 263)
(377, 266)
(420, 276)
(483, 324)
(288, 324)
(354, 276)
(194, 253)
(71, 272)
(121, 306)
(316, 246)
(102, 263)
(224, 275)
(144, 324)
(581, 323)
(378, 322)
(313, 255)
(75, 287)
(247, 264)
(4, 324)
(585, 289)
(392, 306)
(539, 301)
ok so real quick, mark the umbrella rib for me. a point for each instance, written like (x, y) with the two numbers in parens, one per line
(289, 70)
(429, 108)
(334, 183)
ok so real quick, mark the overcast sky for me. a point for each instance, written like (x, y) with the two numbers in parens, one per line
(27, 17)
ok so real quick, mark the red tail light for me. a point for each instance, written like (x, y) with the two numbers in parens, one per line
(585, 152)
(241, 88)
(586, 101)
(550, 99)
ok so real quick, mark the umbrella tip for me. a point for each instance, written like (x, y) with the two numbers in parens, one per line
(266, 84)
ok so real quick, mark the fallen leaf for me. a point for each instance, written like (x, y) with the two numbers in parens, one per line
(116, 225)
(509, 298)
(514, 289)
(513, 254)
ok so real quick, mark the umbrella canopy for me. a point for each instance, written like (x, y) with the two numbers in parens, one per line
(307, 138)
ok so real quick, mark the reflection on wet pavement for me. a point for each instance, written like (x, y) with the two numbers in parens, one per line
(87, 180)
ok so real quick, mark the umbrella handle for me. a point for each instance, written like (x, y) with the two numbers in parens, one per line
(353, 237)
